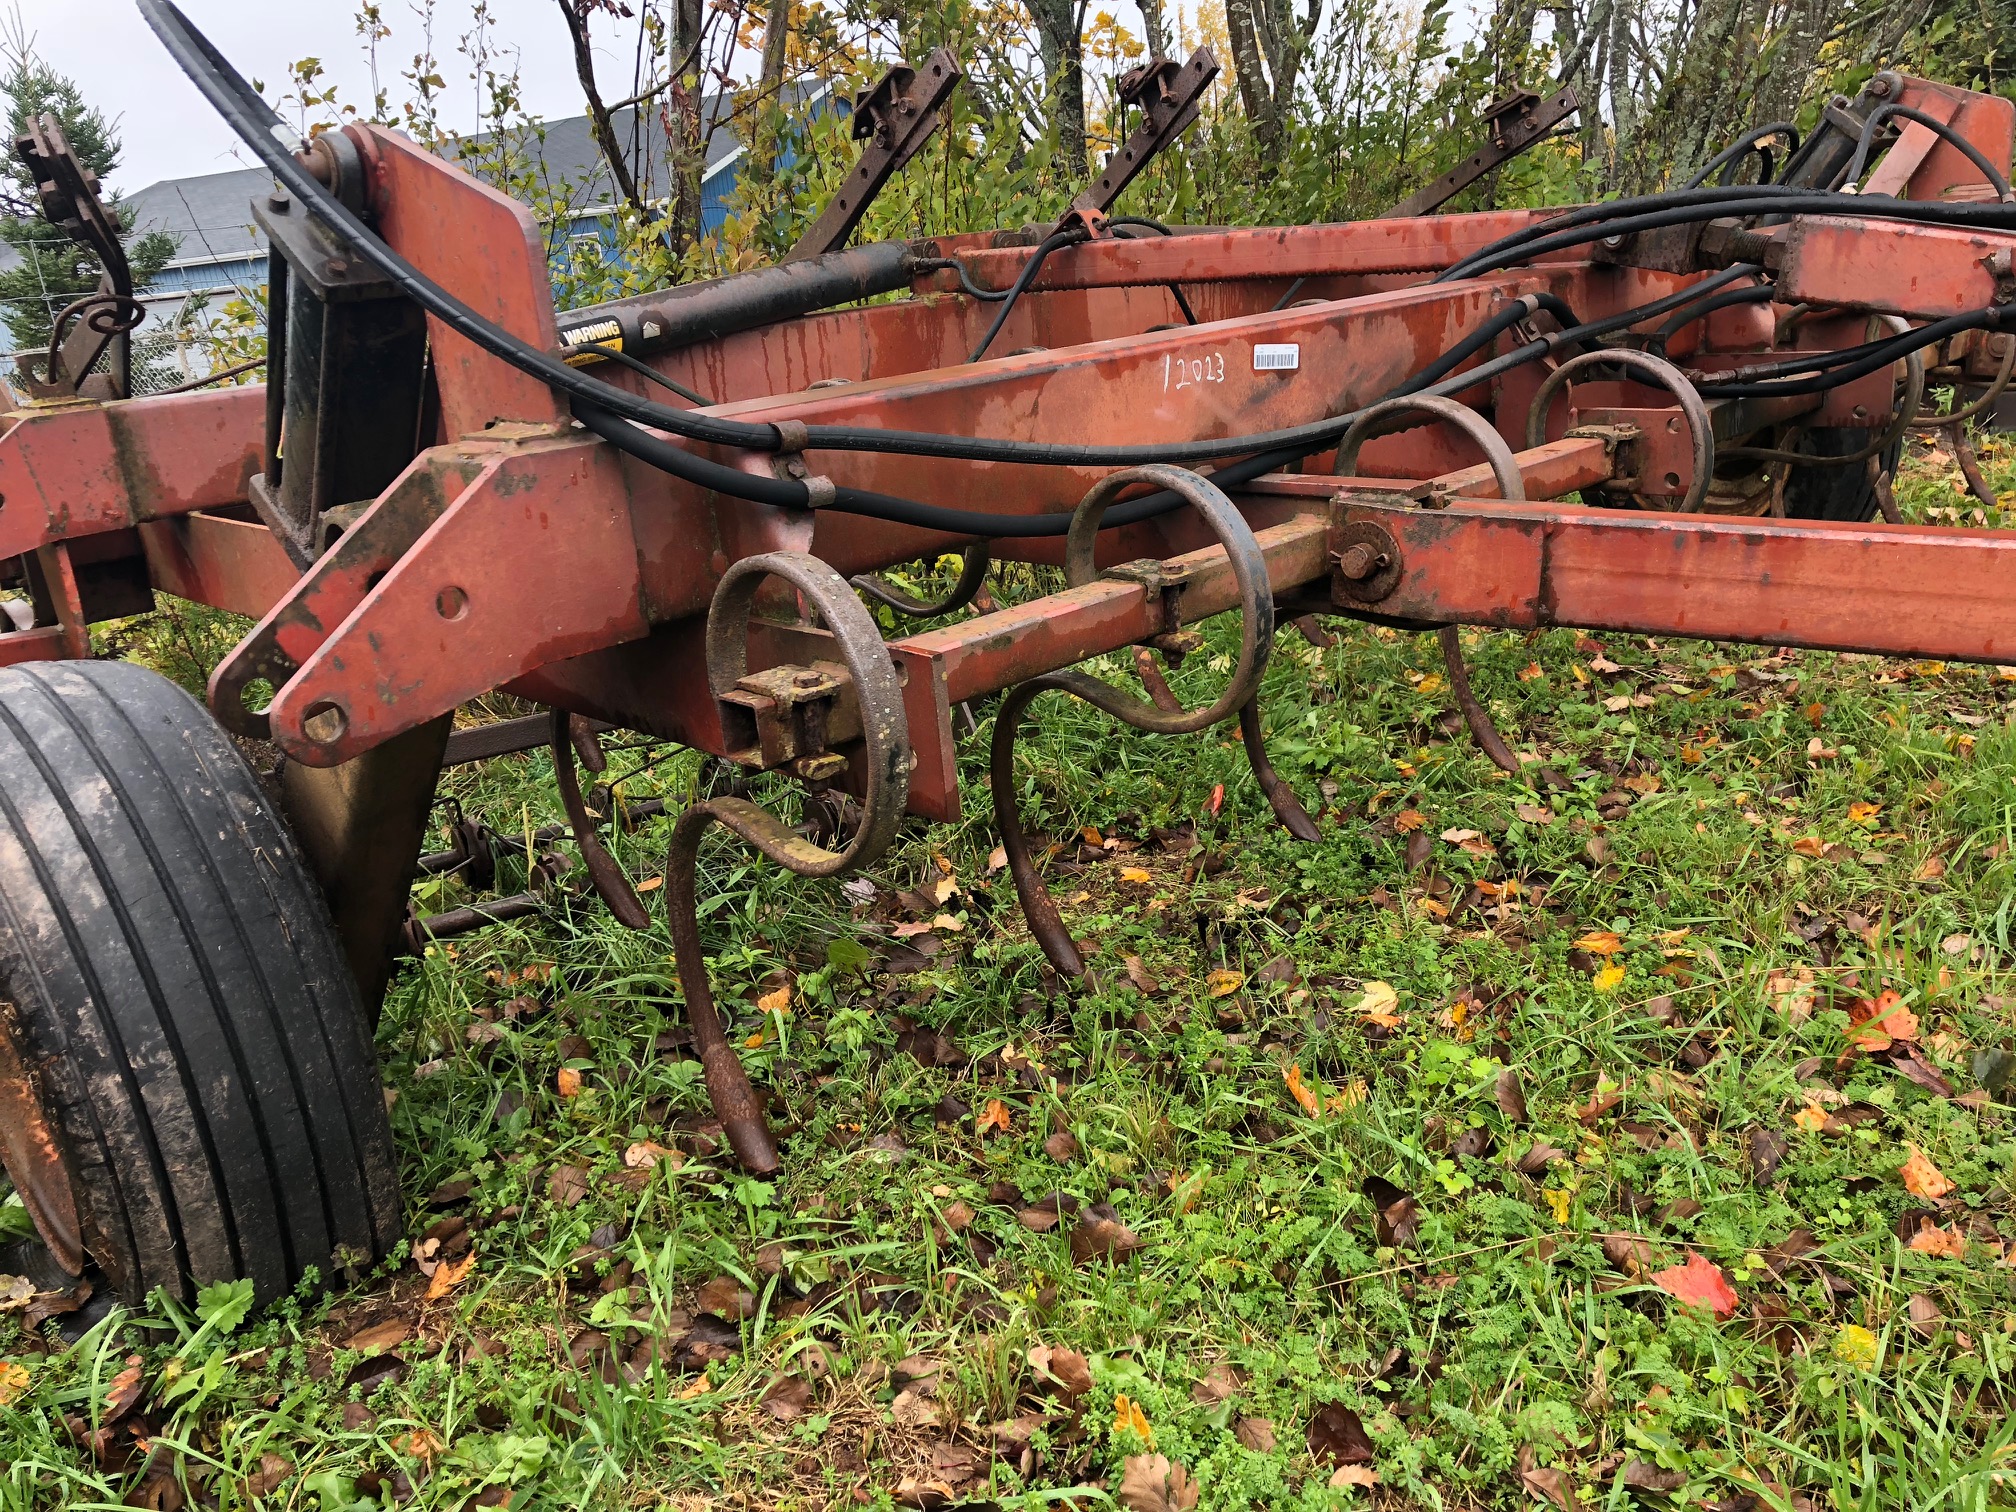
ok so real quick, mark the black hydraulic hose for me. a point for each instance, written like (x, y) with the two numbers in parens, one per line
(1745, 144)
(1996, 178)
(1772, 199)
(680, 463)
(1026, 277)
(1619, 217)
(1803, 379)
(1520, 309)
(648, 373)
(1761, 294)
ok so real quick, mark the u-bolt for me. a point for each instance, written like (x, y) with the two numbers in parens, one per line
(1700, 428)
(1511, 487)
(1256, 635)
(885, 760)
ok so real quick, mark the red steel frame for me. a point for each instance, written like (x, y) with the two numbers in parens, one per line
(519, 553)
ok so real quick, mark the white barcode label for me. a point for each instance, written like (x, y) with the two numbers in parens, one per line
(1272, 357)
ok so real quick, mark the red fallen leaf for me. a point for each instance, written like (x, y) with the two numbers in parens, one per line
(1217, 800)
(1699, 1283)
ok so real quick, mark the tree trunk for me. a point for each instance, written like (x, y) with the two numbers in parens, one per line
(776, 39)
(1155, 27)
(687, 150)
(576, 14)
(1063, 48)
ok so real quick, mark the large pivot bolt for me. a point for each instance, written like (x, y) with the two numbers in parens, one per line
(1366, 559)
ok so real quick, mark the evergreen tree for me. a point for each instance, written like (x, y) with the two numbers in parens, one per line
(52, 270)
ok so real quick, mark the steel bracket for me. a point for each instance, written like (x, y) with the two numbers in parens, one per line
(1169, 94)
(1515, 123)
(895, 117)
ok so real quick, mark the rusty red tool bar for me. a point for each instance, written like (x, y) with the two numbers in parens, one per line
(83, 468)
(1892, 590)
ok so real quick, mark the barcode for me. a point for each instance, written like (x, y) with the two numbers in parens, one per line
(1285, 358)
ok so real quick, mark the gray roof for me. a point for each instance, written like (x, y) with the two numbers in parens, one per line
(210, 215)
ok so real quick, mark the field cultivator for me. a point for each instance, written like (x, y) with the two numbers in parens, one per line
(1672, 415)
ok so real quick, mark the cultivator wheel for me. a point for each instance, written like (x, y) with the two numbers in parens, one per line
(188, 1091)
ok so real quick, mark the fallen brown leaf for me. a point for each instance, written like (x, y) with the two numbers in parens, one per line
(1553, 1485)
(1152, 1483)
(1337, 1436)
(1510, 1095)
(387, 1335)
(269, 1477)
(1256, 1434)
(1100, 1235)
(1220, 1383)
(788, 1398)
(727, 1297)
(567, 1185)
(1067, 1369)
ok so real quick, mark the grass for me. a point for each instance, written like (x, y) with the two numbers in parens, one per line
(1428, 1280)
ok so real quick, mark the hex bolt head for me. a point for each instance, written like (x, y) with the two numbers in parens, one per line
(806, 680)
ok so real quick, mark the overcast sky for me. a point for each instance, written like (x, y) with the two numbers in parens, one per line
(168, 130)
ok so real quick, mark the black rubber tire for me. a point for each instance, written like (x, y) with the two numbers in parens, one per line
(1834, 493)
(177, 994)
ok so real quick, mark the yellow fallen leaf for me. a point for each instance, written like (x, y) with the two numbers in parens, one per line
(1379, 997)
(448, 1275)
(1408, 820)
(699, 1388)
(1921, 1177)
(1810, 845)
(1301, 1093)
(13, 1382)
(994, 1117)
(947, 924)
(1600, 942)
(1531, 672)
(778, 1001)
(997, 858)
(755, 1041)
(1140, 876)
(1558, 1204)
(1855, 1346)
(1607, 979)
(568, 1082)
(1430, 685)
(1349, 1096)
(1129, 1418)
(1224, 983)
(1353, 1475)
(1862, 813)
(1812, 1118)
(650, 884)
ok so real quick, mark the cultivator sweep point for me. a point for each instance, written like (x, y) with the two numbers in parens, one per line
(1674, 415)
